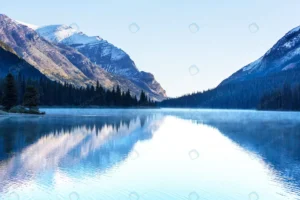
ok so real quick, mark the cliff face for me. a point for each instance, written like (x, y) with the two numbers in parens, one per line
(104, 55)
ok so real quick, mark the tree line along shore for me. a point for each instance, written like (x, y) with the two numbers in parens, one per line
(24, 95)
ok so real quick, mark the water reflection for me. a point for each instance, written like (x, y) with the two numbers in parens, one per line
(274, 137)
(146, 154)
(33, 145)
(277, 144)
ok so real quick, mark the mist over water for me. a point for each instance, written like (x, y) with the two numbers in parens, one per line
(150, 154)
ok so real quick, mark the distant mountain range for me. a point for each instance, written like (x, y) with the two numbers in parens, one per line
(245, 88)
(63, 54)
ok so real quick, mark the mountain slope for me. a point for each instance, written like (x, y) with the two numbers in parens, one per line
(11, 63)
(244, 89)
(43, 55)
(61, 63)
(103, 54)
(283, 56)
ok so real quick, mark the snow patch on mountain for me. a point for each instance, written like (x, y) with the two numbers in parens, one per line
(80, 38)
(293, 30)
(292, 43)
(66, 35)
(290, 66)
(56, 33)
(117, 54)
(72, 37)
(289, 56)
(253, 65)
(34, 27)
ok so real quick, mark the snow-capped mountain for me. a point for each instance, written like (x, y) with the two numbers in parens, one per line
(102, 53)
(277, 67)
(43, 55)
(34, 27)
(283, 56)
(244, 89)
(66, 35)
(63, 63)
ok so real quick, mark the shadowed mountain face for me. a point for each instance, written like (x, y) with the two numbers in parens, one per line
(245, 88)
(279, 66)
(104, 55)
(283, 56)
(64, 63)
(11, 63)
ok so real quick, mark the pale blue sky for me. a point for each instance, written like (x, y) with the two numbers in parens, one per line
(164, 45)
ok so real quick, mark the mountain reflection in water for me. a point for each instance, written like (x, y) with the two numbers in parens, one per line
(151, 154)
(72, 144)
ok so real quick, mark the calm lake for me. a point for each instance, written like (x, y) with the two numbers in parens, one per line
(162, 154)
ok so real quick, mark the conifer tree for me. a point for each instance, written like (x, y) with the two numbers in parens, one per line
(143, 99)
(10, 97)
(31, 97)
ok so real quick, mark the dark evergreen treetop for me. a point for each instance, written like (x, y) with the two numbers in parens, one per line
(285, 98)
(31, 97)
(10, 97)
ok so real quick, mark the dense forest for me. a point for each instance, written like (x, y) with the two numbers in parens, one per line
(246, 94)
(285, 98)
(233, 96)
(52, 93)
(56, 94)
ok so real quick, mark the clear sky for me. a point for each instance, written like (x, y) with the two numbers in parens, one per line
(174, 35)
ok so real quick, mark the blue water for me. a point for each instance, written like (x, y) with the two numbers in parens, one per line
(162, 154)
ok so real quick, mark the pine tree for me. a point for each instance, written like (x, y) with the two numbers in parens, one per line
(31, 97)
(10, 96)
(143, 99)
(118, 96)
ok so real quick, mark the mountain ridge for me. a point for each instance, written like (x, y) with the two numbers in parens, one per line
(283, 55)
(64, 63)
(109, 57)
(279, 66)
